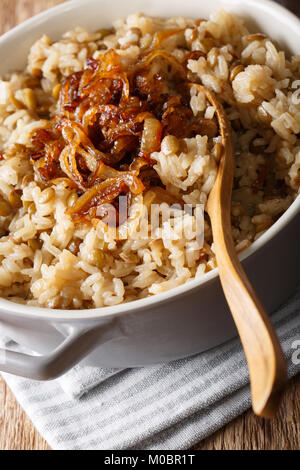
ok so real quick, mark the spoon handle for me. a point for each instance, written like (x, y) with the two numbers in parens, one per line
(266, 362)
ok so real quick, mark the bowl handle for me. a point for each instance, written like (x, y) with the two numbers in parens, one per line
(76, 345)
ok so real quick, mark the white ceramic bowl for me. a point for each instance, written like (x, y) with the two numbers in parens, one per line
(189, 318)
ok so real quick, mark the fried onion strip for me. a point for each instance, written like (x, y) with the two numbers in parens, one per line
(110, 121)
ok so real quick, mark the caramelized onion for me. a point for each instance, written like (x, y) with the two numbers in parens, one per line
(109, 123)
(105, 192)
(66, 182)
(101, 193)
(68, 164)
(151, 56)
(163, 35)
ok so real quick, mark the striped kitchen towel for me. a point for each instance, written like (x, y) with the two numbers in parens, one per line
(170, 406)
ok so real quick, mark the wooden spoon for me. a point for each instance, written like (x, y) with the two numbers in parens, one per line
(266, 362)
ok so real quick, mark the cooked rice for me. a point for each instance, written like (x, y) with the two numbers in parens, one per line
(48, 260)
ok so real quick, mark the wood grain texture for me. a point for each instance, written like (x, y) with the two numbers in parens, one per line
(16, 430)
(245, 433)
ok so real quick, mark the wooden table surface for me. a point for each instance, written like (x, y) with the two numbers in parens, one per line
(246, 432)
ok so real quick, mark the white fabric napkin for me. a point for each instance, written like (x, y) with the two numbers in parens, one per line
(170, 406)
